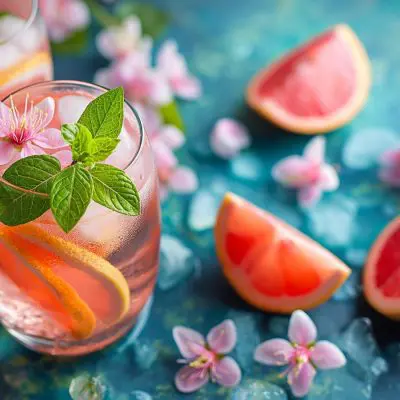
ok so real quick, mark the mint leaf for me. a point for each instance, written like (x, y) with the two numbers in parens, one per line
(69, 132)
(171, 116)
(82, 143)
(114, 189)
(35, 174)
(105, 114)
(70, 196)
(75, 43)
(102, 147)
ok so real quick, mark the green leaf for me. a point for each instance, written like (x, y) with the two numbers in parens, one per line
(70, 196)
(105, 114)
(171, 116)
(101, 14)
(26, 200)
(82, 143)
(101, 148)
(4, 14)
(154, 21)
(69, 132)
(75, 43)
(115, 190)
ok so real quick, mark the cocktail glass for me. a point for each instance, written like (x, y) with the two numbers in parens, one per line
(28, 308)
(24, 47)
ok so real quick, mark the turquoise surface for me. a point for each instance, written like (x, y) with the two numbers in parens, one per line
(226, 42)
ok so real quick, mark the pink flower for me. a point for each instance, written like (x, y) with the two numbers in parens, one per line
(26, 134)
(206, 359)
(308, 173)
(229, 137)
(141, 82)
(390, 167)
(64, 17)
(302, 354)
(173, 66)
(119, 41)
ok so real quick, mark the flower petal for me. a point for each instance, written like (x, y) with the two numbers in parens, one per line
(294, 172)
(390, 158)
(49, 139)
(229, 137)
(326, 355)
(183, 180)
(5, 120)
(105, 44)
(301, 378)
(64, 156)
(222, 338)
(302, 329)
(391, 176)
(172, 137)
(7, 152)
(188, 379)
(309, 195)
(226, 372)
(274, 352)
(187, 87)
(315, 150)
(47, 107)
(165, 160)
(329, 179)
(185, 338)
(29, 149)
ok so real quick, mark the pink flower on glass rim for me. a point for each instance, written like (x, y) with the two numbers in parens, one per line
(119, 41)
(64, 17)
(302, 354)
(308, 173)
(26, 134)
(173, 66)
(205, 359)
(229, 137)
(390, 167)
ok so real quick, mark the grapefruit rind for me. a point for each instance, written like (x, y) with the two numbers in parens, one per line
(390, 307)
(280, 304)
(268, 109)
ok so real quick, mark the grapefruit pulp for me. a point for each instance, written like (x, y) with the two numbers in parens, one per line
(316, 88)
(270, 264)
(381, 276)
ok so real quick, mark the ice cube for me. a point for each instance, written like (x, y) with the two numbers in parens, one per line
(248, 337)
(350, 289)
(70, 108)
(248, 167)
(252, 389)
(177, 262)
(203, 210)
(145, 353)
(363, 148)
(139, 395)
(85, 387)
(331, 220)
(124, 151)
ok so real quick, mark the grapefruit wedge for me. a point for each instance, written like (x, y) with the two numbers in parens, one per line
(382, 272)
(78, 289)
(270, 264)
(316, 88)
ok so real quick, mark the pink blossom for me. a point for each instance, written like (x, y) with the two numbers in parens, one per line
(206, 359)
(302, 354)
(173, 66)
(64, 17)
(308, 173)
(119, 41)
(229, 137)
(26, 134)
(390, 167)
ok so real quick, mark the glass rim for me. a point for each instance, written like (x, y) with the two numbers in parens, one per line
(27, 23)
(104, 89)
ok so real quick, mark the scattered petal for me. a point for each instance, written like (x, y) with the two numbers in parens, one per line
(222, 338)
(226, 372)
(327, 356)
(183, 180)
(293, 171)
(301, 380)
(329, 178)
(185, 338)
(309, 195)
(315, 150)
(188, 379)
(302, 329)
(274, 352)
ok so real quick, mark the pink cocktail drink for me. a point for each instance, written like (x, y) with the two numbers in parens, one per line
(24, 47)
(128, 243)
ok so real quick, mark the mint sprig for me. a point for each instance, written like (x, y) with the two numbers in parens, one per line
(35, 184)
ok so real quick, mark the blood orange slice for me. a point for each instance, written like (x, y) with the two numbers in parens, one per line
(317, 87)
(269, 263)
(382, 272)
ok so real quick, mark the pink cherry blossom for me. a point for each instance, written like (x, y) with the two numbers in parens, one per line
(119, 41)
(173, 66)
(302, 354)
(26, 134)
(390, 167)
(229, 137)
(308, 173)
(64, 17)
(206, 359)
